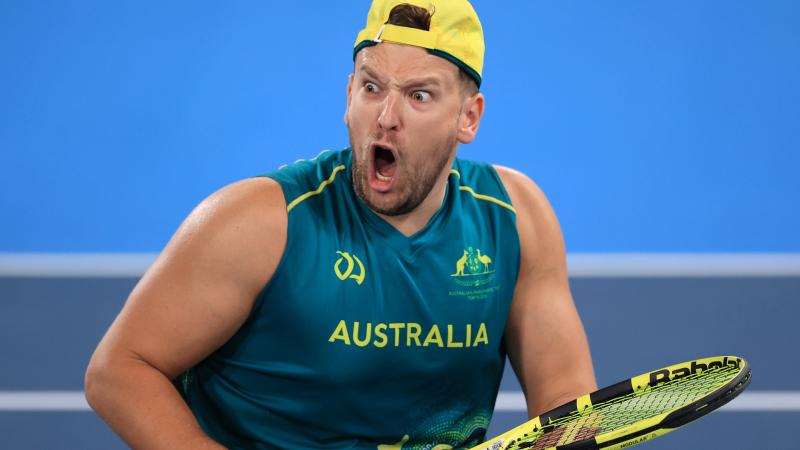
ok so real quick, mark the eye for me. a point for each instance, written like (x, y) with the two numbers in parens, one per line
(421, 96)
(371, 87)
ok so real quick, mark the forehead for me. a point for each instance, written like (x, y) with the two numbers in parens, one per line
(404, 61)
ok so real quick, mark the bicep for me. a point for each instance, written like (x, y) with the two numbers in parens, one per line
(203, 285)
(544, 336)
(546, 343)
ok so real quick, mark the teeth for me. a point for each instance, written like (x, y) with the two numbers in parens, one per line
(381, 177)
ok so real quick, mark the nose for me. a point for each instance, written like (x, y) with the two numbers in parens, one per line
(389, 119)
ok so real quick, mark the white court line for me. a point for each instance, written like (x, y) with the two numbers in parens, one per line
(75, 265)
(683, 264)
(43, 401)
(756, 401)
(507, 401)
(606, 265)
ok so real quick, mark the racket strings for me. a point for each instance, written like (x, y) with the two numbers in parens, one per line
(622, 411)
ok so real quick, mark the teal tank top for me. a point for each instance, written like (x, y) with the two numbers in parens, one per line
(365, 338)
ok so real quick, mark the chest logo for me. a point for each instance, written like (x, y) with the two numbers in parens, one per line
(474, 275)
(472, 263)
(351, 261)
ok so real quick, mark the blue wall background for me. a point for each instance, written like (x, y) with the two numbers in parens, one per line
(652, 125)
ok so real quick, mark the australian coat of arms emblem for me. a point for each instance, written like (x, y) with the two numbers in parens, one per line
(473, 268)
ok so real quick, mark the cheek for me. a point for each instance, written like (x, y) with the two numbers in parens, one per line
(432, 130)
(361, 112)
(438, 117)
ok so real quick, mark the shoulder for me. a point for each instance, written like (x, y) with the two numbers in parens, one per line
(239, 231)
(246, 205)
(522, 190)
(541, 240)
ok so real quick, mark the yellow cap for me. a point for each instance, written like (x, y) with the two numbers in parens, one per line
(455, 32)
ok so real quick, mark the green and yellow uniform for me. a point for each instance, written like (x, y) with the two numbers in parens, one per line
(365, 338)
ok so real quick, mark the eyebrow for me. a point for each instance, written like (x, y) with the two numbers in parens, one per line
(416, 82)
(370, 73)
(421, 82)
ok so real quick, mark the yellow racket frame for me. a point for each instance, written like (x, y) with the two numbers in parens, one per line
(646, 429)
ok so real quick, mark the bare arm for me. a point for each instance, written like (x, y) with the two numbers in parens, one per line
(191, 301)
(544, 336)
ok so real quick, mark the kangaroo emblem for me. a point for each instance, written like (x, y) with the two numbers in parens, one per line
(460, 265)
(470, 263)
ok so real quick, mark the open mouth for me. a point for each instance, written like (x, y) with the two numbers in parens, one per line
(384, 168)
(385, 164)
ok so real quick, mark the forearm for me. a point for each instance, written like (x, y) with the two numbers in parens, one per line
(143, 407)
(560, 386)
(538, 405)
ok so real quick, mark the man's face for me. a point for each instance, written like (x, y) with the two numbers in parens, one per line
(404, 109)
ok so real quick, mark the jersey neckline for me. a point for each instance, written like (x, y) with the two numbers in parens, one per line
(404, 245)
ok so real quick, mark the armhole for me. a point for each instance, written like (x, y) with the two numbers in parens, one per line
(503, 190)
(515, 228)
(282, 261)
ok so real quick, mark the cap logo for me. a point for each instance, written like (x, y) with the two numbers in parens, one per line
(377, 37)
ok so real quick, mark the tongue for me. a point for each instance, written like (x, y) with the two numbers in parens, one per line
(385, 167)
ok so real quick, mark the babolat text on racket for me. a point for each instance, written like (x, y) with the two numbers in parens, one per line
(632, 411)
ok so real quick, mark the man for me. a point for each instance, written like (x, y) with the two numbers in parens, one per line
(366, 298)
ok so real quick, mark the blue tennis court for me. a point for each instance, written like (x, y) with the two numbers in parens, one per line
(50, 325)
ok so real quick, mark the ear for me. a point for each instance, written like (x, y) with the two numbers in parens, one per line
(470, 118)
(349, 96)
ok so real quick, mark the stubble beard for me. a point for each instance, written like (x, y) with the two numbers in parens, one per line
(417, 184)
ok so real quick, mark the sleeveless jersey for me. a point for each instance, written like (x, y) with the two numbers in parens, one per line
(365, 338)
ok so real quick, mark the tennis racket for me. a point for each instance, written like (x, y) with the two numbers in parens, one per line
(632, 411)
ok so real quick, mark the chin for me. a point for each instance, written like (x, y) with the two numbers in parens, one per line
(385, 204)
(380, 204)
